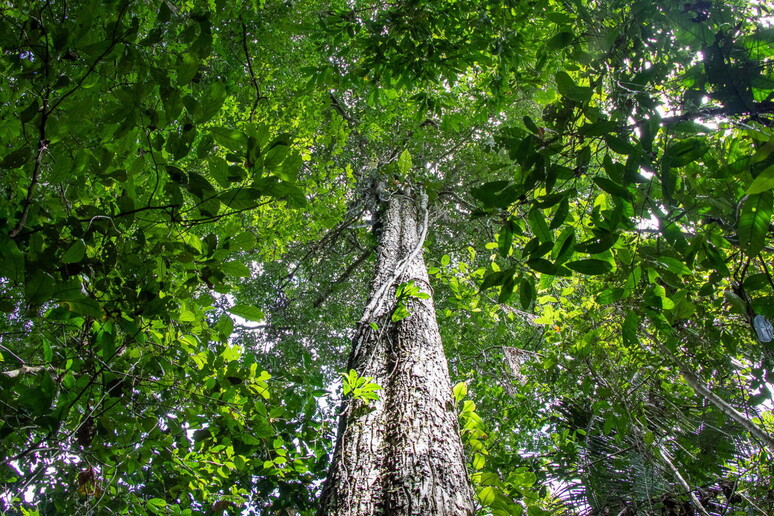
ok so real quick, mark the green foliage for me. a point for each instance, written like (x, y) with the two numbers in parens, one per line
(361, 388)
(403, 293)
(174, 173)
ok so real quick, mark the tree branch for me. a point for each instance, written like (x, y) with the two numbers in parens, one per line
(113, 41)
(354, 265)
(340, 110)
(695, 501)
(758, 108)
(704, 390)
(42, 146)
(253, 79)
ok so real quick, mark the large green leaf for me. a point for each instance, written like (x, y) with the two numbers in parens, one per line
(629, 329)
(754, 220)
(590, 266)
(539, 226)
(674, 265)
(572, 91)
(404, 162)
(75, 252)
(247, 312)
(496, 194)
(683, 152)
(230, 138)
(763, 182)
(11, 260)
(527, 292)
(611, 187)
(240, 198)
(560, 40)
(235, 268)
(212, 101)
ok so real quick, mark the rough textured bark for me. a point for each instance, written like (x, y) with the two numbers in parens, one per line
(402, 454)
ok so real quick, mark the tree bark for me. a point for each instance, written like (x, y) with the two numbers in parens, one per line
(401, 454)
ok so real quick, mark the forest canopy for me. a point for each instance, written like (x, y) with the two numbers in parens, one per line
(198, 203)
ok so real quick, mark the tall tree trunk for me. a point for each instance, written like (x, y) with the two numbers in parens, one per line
(401, 454)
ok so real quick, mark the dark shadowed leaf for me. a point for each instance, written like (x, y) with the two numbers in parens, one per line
(590, 266)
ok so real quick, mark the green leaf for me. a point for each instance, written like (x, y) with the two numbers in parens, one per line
(674, 265)
(275, 156)
(84, 306)
(762, 183)
(218, 169)
(507, 289)
(199, 186)
(400, 312)
(598, 128)
(568, 88)
(598, 244)
(460, 391)
(496, 194)
(542, 265)
(156, 503)
(754, 222)
(565, 249)
(224, 326)
(629, 328)
(505, 239)
(240, 198)
(230, 138)
(241, 242)
(620, 145)
(75, 252)
(11, 260)
(551, 200)
(716, 259)
(237, 269)
(39, 288)
(530, 125)
(493, 279)
(611, 187)
(247, 312)
(560, 40)
(538, 224)
(212, 101)
(16, 158)
(527, 293)
(590, 266)
(404, 162)
(683, 152)
(561, 214)
(231, 353)
(487, 494)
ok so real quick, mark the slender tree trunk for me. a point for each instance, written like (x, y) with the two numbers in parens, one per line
(401, 454)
